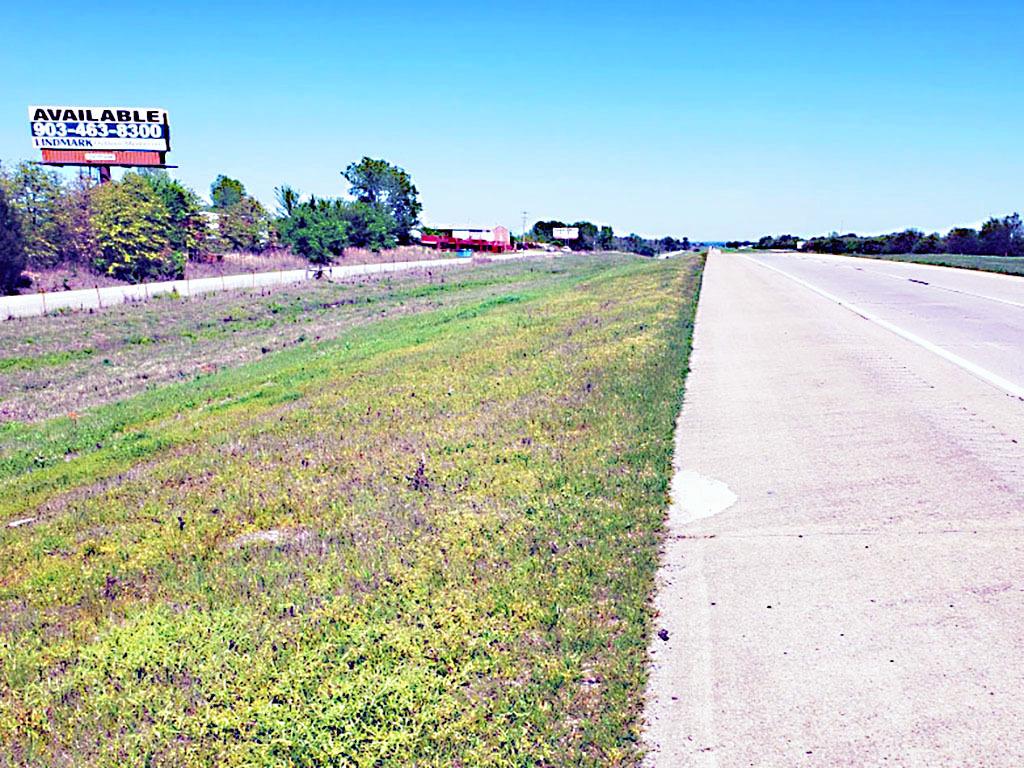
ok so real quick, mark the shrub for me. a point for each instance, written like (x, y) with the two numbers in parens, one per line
(132, 228)
(188, 228)
(12, 246)
(243, 226)
(370, 226)
(320, 230)
(314, 231)
(37, 195)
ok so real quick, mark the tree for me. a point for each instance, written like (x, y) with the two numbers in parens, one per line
(133, 232)
(782, 243)
(287, 199)
(244, 226)
(605, 238)
(315, 231)
(587, 239)
(932, 243)
(226, 192)
(543, 231)
(902, 242)
(188, 228)
(837, 244)
(320, 230)
(37, 195)
(670, 244)
(962, 240)
(1002, 237)
(377, 182)
(78, 244)
(12, 246)
(370, 226)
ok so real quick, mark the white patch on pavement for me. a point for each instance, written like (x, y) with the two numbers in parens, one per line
(698, 496)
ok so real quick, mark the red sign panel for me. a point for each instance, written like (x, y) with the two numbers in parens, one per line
(101, 157)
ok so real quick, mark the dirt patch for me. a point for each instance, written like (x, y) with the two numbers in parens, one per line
(274, 537)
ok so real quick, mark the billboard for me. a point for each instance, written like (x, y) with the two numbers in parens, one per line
(99, 128)
(121, 157)
(565, 233)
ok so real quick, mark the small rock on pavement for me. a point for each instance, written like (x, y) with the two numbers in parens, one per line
(663, 634)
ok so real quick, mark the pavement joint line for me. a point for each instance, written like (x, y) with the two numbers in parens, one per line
(982, 373)
(879, 273)
(822, 258)
(1008, 302)
(850, 534)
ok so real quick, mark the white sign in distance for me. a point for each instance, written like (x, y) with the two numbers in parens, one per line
(565, 233)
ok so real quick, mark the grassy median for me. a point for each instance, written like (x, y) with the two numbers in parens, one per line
(1004, 265)
(428, 540)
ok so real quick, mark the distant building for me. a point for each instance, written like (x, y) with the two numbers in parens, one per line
(494, 240)
(212, 220)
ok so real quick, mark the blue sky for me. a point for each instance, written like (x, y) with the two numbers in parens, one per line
(713, 120)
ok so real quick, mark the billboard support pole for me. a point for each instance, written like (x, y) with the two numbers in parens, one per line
(104, 174)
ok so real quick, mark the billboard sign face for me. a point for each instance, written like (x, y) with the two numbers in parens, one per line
(99, 128)
(121, 157)
(565, 233)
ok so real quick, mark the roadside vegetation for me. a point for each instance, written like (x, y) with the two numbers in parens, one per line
(593, 237)
(148, 226)
(422, 539)
(59, 234)
(997, 247)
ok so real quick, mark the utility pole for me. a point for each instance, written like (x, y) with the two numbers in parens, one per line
(524, 230)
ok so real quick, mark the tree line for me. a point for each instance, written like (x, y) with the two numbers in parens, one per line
(149, 226)
(997, 237)
(593, 237)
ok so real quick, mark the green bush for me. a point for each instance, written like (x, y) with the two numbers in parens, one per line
(243, 226)
(188, 228)
(12, 246)
(37, 193)
(133, 232)
(312, 231)
(320, 230)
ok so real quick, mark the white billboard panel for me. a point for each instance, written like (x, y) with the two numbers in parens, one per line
(565, 233)
(67, 127)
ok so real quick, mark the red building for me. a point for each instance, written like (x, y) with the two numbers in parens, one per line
(494, 240)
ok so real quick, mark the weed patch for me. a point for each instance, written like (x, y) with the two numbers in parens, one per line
(427, 540)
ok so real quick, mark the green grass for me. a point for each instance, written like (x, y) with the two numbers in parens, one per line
(139, 347)
(45, 360)
(429, 540)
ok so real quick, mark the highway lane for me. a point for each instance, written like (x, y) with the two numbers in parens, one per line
(842, 581)
(978, 316)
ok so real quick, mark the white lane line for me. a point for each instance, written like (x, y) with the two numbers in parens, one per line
(982, 373)
(883, 273)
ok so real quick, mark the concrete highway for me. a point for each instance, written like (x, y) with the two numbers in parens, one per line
(842, 582)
